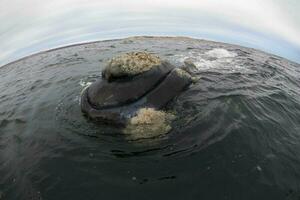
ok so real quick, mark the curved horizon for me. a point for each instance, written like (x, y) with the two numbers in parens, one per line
(272, 26)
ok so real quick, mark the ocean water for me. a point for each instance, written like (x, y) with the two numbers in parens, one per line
(237, 130)
(236, 135)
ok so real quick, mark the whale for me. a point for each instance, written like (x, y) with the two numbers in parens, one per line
(130, 82)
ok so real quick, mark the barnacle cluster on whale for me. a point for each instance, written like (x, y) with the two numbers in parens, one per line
(134, 89)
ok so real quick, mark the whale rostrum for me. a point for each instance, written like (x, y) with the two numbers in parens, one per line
(131, 82)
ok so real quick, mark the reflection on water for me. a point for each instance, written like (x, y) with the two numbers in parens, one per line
(31, 26)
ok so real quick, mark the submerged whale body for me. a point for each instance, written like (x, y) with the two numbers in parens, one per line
(130, 82)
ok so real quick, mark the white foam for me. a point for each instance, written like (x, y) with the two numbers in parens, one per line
(84, 84)
(220, 53)
(217, 59)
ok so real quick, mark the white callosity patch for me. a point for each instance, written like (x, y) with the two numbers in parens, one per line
(183, 73)
(130, 64)
(149, 123)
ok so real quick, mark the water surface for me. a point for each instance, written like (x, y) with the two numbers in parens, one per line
(236, 135)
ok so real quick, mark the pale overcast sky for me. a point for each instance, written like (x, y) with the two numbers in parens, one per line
(29, 26)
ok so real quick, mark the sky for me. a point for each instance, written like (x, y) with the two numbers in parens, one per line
(27, 27)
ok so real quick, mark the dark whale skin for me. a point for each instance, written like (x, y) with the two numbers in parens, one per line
(104, 93)
(168, 88)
